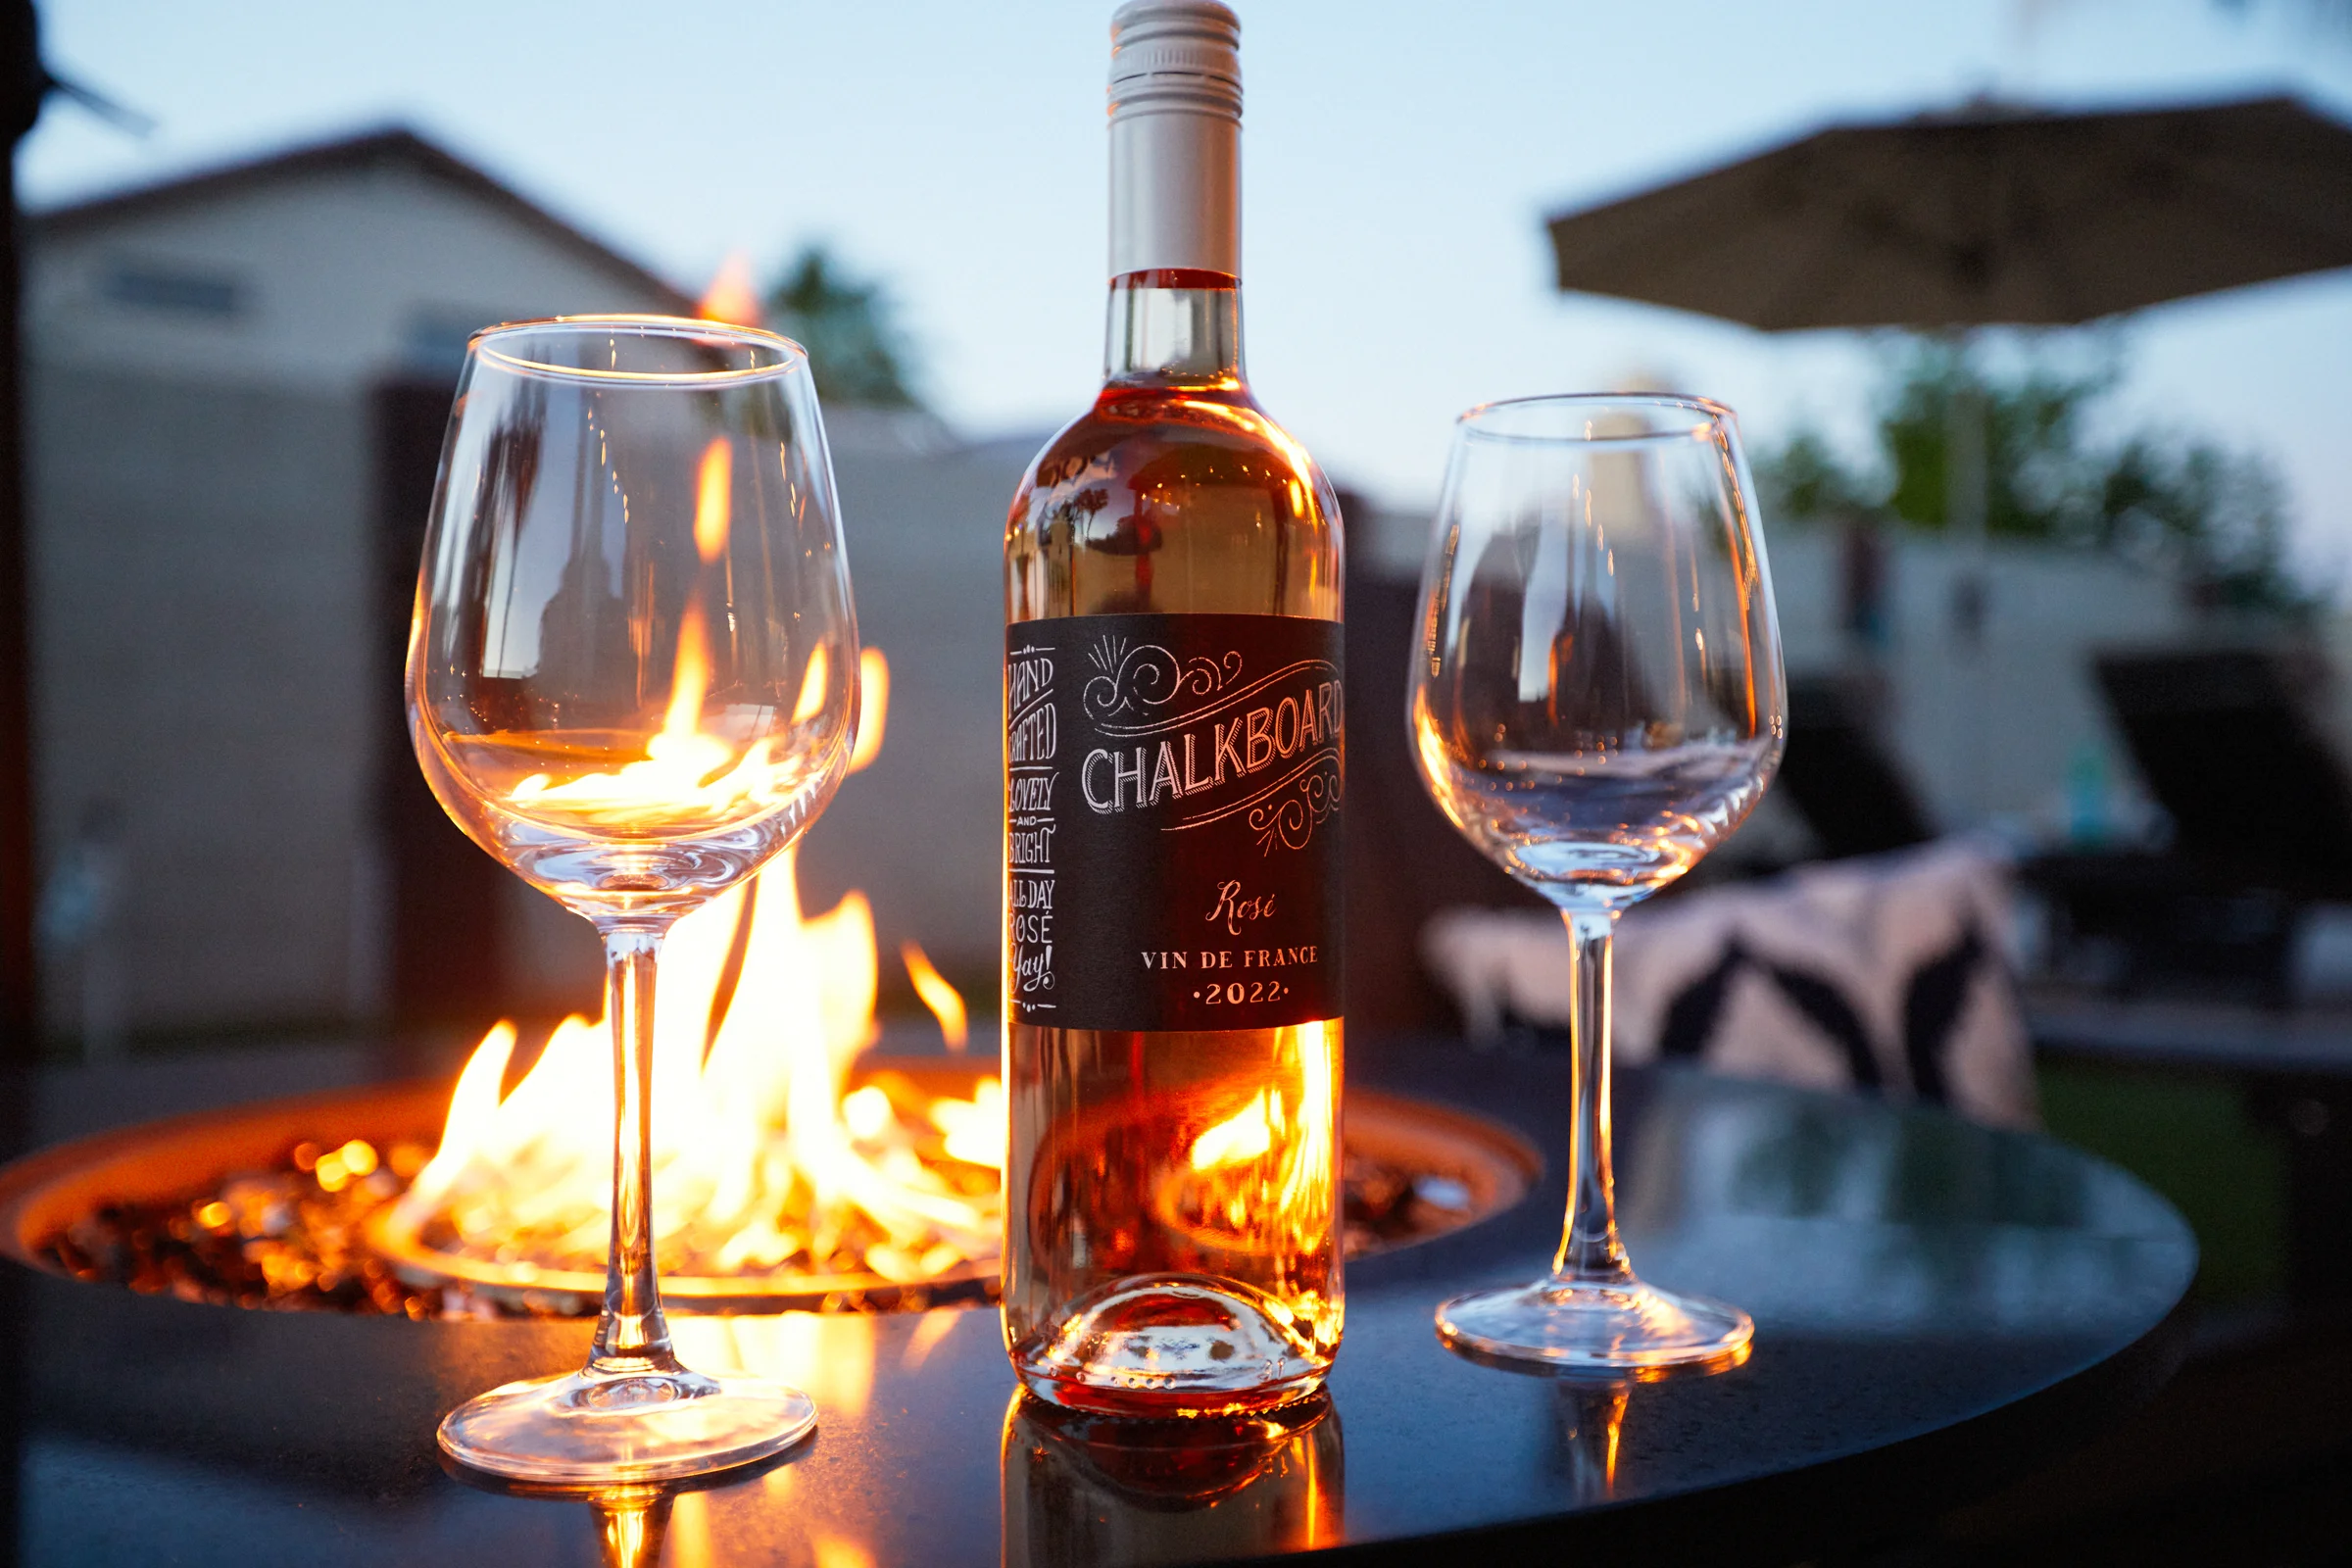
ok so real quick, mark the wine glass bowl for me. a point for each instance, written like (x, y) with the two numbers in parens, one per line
(632, 679)
(1596, 701)
(1590, 709)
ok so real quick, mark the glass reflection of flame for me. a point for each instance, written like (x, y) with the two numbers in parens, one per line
(1081, 1491)
(630, 1522)
(1590, 1419)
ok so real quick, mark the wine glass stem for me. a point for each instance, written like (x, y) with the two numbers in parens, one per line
(1590, 1252)
(632, 1335)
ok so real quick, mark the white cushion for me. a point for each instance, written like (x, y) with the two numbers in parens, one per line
(1891, 972)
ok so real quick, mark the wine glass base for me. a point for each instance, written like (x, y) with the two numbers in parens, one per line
(593, 1428)
(1601, 1328)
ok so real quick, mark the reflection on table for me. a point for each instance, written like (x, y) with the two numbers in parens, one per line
(1912, 1276)
(1094, 1492)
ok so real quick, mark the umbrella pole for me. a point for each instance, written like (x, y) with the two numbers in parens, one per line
(1965, 494)
(23, 84)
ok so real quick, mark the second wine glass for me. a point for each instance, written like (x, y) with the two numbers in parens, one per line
(1596, 701)
(632, 679)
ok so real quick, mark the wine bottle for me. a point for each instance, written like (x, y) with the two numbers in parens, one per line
(1173, 707)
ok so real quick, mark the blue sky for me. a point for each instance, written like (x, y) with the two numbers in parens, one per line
(1400, 160)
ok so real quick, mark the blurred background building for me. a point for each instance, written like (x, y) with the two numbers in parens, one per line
(239, 380)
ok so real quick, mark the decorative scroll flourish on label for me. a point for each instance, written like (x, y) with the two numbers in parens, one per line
(1196, 782)
(1138, 678)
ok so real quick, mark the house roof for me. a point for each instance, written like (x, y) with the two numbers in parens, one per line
(393, 145)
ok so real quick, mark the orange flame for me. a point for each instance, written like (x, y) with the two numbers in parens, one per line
(873, 701)
(1239, 1137)
(712, 499)
(1267, 1168)
(976, 1128)
(731, 297)
(690, 682)
(685, 762)
(944, 1000)
(812, 687)
(760, 1157)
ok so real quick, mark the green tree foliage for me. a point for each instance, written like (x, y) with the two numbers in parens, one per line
(2219, 517)
(856, 350)
(2215, 519)
(2037, 469)
(1807, 480)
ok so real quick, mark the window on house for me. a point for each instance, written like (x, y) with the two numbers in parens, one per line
(175, 291)
(434, 343)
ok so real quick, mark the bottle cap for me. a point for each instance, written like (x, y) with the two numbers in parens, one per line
(1175, 55)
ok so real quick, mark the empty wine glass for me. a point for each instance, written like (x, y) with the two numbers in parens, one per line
(633, 680)
(1596, 701)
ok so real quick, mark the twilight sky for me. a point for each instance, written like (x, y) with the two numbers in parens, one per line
(1398, 160)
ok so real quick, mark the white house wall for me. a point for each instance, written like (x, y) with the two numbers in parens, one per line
(199, 658)
(1990, 734)
(333, 275)
(203, 552)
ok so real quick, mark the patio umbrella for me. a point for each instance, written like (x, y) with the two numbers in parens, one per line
(1992, 213)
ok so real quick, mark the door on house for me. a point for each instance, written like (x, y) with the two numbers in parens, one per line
(445, 964)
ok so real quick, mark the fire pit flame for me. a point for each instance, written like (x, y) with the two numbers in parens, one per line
(944, 1000)
(764, 1160)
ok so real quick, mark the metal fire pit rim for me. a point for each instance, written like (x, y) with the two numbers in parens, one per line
(42, 1192)
(34, 1186)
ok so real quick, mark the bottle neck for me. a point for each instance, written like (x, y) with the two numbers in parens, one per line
(1174, 327)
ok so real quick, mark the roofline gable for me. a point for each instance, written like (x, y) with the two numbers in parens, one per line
(393, 144)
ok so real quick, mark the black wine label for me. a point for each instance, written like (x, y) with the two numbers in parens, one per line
(1172, 821)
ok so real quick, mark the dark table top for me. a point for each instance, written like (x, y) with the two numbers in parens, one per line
(1938, 1306)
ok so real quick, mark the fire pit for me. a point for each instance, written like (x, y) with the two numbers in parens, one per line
(792, 1168)
(296, 1204)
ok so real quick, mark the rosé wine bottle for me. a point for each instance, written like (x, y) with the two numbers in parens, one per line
(1174, 753)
